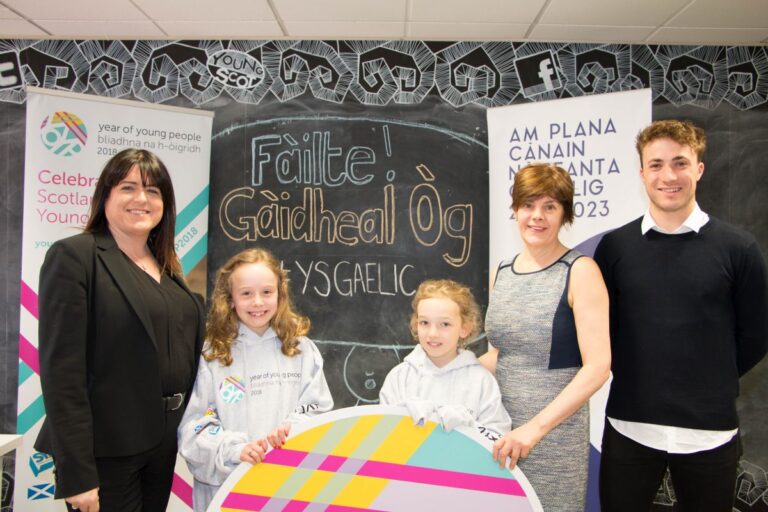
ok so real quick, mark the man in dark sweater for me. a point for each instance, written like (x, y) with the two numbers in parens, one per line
(689, 316)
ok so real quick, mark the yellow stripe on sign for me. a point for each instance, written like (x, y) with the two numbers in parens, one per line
(360, 492)
(356, 435)
(402, 442)
(314, 484)
(306, 441)
(263, 478)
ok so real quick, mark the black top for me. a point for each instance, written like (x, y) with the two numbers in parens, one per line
(689, 316)
(173, 316)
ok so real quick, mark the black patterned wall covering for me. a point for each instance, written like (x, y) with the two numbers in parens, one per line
(418, 110)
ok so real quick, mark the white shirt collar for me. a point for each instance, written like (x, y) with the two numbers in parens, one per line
(694, 222)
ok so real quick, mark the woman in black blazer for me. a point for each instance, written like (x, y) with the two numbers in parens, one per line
(120, 336)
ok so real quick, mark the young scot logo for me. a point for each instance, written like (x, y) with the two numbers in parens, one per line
(63, 133)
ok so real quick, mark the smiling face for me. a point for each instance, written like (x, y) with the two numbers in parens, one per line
(439, 327)
(254, 295)
(132, 209)
(670, 172)
(539, 220)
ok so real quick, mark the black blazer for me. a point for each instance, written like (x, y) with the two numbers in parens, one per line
(98, 360)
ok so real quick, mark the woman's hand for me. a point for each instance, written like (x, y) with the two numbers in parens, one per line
(254, 451)
(87, 501)
(516, 444)
(278, 436)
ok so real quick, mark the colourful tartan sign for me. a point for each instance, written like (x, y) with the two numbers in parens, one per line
(375, 458)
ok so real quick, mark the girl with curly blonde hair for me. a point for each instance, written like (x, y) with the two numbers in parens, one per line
(259, 373)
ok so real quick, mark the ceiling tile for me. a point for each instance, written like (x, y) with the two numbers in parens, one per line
(709, 36)
(222, 29)
(340, 10)
(7, 14)
(102, 29)
(466, 31)
(717, 13)
(590, 34)
(19, 28)
(206, 10)
(461, 11)
(76, 10)
(345, 30)
(598, 13)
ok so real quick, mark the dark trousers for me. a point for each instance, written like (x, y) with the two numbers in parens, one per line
(631, 473)
(142, 482)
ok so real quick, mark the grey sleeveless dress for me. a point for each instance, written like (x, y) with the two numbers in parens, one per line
(531, 324)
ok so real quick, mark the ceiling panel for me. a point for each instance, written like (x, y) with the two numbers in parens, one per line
(466, 31)
(19, 29)
(719, 13)
(222, 29)
(356, 30)
(103, 29)
(462, 11)
(206, 10)
(341, 10)
(599, 13)
(76, 9)
(7, 14)
(589, 34)
(713, 36)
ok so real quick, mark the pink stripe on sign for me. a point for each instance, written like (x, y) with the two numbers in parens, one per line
(182, 490)
(441, 477)
(295, 506)
(331, 463)
(28, 354)
(245, 501)
(341, 508)
(29, 299)
(285, 457)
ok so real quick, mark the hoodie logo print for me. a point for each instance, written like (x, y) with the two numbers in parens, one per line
(232, 389)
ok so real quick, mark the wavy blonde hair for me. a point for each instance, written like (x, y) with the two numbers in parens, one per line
(458, 293)
(222, 324)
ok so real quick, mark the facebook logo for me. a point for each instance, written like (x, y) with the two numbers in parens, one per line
(537, 73)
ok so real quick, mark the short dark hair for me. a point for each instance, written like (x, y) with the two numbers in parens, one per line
(542, 179)
(684, 133)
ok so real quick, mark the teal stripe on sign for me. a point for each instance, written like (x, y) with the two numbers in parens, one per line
(192, 210)
(25, 372)
(30, 416)
(195, 255)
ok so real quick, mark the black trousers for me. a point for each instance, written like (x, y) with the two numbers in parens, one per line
(631, 473)
(142, 482)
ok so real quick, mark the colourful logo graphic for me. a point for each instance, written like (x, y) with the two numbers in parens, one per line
(63, 133)
(360, 459)
(40, 462)
(40, 492)
(232, 389)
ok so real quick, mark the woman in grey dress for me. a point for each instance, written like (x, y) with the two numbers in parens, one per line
(547, 326)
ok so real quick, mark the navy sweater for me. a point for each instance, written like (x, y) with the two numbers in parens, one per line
(689, 316)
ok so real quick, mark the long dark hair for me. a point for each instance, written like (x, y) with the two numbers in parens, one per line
(153, 173)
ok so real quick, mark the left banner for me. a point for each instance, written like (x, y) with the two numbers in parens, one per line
(69, 138)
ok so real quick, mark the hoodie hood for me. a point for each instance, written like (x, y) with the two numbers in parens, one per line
(419, 360)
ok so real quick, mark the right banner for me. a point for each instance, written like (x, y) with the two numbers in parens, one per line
(593, 138)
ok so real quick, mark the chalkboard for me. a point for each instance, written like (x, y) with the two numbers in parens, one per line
(360, 207)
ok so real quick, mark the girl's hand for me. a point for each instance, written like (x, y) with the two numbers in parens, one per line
(278, 436)
(254, 451)
(87, 501)
(516, 444)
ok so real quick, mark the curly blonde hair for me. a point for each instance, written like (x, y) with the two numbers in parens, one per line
(458, 293)
(222, 323)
